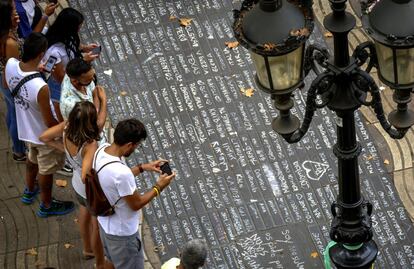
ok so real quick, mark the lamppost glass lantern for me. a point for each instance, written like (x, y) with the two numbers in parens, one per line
(279, 73)
(275, 33)
(394, 43)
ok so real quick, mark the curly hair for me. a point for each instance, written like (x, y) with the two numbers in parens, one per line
(82, 124)
(65, 29)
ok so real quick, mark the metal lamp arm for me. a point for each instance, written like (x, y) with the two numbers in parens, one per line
(320, 86)
(376, 104)
(363, 52)
(315, 54)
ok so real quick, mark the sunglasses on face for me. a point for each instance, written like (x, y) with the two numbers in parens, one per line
(84, 84)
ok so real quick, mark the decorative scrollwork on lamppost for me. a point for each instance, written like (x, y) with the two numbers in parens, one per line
(275, 32)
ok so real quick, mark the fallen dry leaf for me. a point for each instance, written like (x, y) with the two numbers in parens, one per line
(314, 254)
(159, 248)
(61, 183)
(247, 92)
(68, 245)
(31, 252)
(232, 45)
(185, 21)
(269, 46)
(369, 157)
(75, 220)
(327, 34)
(300, 32)
(386, 161)
(123, 93)
(172, 18)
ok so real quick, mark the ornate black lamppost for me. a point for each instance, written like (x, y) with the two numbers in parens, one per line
(275, 32)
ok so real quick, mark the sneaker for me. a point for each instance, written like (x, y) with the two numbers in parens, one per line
(29, 196)
(19, 157)
(65, 171)
(56, 208)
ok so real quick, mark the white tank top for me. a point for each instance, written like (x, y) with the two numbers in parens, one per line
(30, 124)
(76, 163)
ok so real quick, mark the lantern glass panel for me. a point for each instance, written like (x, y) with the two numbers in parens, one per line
(385, 61)
(285, 69)
(405, 65)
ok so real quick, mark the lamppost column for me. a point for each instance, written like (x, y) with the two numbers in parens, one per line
(347, 150)
(340, 23)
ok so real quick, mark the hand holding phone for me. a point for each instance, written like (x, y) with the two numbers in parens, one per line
(166, 169)
(50, 63)
(96, 50)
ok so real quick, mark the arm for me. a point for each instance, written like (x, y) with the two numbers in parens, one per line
(57, 111)
(153, 166)
(49, 10)
(88, 47)
(87, 158)
(99, 96)
(44, 104)
(12, 49)
(49, 136)
(58, 72)
(137, 201)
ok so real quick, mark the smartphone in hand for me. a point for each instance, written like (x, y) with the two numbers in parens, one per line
(50, 63)
(53, 1)
(166, 169)
(96, 50)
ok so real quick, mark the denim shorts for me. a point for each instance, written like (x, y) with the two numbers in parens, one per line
(123, 251)
(54, 90)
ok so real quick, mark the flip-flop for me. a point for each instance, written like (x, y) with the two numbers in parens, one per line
(87, 255)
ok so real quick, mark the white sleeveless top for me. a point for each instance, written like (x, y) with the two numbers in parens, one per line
(30, 124)
(76, 163)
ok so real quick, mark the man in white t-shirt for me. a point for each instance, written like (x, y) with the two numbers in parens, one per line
(34, 116)
(119, 232)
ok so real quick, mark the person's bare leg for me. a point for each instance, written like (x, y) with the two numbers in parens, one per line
(46, 185)
(31, 172)
(84, 220)
(97, 245)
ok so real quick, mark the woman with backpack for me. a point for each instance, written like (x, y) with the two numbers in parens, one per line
(78, 137)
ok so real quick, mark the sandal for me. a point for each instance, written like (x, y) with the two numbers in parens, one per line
(87, 255)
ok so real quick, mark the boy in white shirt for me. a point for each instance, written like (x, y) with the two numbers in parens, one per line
(34, 116)
(119, 232)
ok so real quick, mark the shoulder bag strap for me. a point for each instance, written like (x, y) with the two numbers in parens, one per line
(101, 169)
(16, 89)
(96, 156)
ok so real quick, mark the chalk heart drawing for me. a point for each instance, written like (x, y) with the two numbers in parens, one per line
(314, 170)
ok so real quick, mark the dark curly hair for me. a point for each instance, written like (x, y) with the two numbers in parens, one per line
(82, 124)
(65, 29)
(6, 11)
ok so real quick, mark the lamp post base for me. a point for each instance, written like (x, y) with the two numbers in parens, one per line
(362, 258)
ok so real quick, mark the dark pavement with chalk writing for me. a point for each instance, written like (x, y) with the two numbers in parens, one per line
(259, 202)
